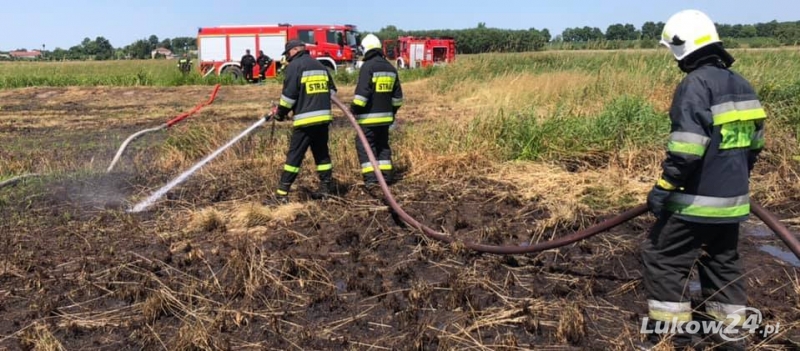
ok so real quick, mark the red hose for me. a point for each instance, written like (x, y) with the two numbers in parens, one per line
(503, 250)
(184, 115)
(770, 220)
(773, 223)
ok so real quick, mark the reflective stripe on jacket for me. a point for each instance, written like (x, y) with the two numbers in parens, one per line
(717, 132)
(307, 89)
(378, 93)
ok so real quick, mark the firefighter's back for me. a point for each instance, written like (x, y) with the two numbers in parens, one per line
(313, 106)
(734, 114)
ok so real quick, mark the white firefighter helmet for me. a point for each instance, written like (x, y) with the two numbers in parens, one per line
(687, 31)
(370, 42)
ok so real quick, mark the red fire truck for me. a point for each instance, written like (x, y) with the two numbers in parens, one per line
(221, 48)
(414, 52)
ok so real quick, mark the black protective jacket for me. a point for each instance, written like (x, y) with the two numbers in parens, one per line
(307, 90)
(248, 61)
(264, 60)
(378, 93)
(716, 136)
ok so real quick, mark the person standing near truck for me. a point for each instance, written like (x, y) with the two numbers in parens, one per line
(248, 62)
(264, 62)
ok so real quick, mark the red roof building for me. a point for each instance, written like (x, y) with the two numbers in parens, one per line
(26, 54)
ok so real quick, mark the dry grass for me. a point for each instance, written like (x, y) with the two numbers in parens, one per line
(40, 338)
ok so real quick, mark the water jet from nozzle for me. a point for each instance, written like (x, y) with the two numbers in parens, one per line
(141, 206)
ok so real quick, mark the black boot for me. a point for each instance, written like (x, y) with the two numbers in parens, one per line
(325, 190)
(679, 341)
(736, 341)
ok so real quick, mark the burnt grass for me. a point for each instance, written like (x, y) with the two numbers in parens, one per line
(76, 269)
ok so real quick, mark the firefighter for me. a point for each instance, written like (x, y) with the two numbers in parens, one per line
(378, 97)
(264, 62)
(702, 196)
(307, 90)
(185, 64)
(248, 62)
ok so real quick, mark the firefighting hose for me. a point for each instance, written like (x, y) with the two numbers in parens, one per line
(770, 220)
(166, 125)
(17, 179)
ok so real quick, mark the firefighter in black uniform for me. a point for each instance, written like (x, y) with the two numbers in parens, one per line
(702, 196)
(378, 97)
(185, 64)
(307, 90)
(263, 63)
(248, 62)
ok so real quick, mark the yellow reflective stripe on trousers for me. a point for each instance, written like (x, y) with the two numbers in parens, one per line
(282, 192)
(707, 206)
(324, 167)
(737, 111)
(729, 313)
(292, 169)
(383, 165)
(668, 311)
(313, 117)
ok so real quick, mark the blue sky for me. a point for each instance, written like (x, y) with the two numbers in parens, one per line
(31, 23)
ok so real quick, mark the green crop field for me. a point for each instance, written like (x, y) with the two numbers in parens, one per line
(510, 149)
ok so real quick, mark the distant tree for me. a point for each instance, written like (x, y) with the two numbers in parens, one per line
(153, 40)
(166, 43)
(616, 32)
(650, 31)
(748, 31)
(545, 33)
(631, 33)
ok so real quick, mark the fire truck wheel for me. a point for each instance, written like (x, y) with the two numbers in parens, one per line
(234, 71)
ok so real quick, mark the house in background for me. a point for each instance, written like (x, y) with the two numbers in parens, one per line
(29, 55)
(167, 53)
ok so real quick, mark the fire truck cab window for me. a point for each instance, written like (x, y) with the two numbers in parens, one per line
(351, 39)
(306, 36)
(335, 37)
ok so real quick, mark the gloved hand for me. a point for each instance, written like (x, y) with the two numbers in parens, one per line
(272, 114)
(656, 200)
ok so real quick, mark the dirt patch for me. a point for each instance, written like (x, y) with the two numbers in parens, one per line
(340, 274)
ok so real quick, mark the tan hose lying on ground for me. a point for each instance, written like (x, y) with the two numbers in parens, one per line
(166, 125)
(768, 218)
(17, 179)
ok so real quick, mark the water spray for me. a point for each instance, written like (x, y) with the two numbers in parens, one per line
(166, 125)
(141, 206)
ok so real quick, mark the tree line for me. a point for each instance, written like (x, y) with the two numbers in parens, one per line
(781, 33)
(479, 39)
(101, 49)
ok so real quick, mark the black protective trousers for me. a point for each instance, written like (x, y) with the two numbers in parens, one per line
(248, 72)
(670, 251)
(315, 137)
(378, 138)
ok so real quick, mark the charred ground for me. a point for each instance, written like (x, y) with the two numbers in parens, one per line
(210, 268)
